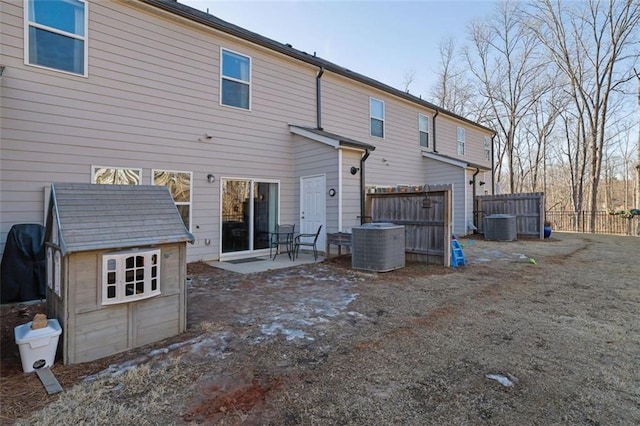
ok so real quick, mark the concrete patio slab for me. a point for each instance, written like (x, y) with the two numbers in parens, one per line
(265, 263)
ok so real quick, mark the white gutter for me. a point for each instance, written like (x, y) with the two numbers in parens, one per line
(339, 190)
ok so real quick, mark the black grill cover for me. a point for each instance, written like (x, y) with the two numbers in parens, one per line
(23, 267)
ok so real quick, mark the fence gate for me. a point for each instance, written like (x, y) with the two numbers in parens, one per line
(528, 208)
(426, 216)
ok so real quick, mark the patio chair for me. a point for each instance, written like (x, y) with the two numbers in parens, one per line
(283, 236)
(307, 240)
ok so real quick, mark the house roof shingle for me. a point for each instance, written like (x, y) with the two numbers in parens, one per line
(341, 140)
(93, 217)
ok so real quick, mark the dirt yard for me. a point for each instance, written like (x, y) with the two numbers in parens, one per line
(557, 321)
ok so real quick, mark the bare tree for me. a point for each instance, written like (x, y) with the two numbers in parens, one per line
(539, 126)
(637, 200)
(588, 43)
(624, 163)
(504, 59)
(576, 154)
(408, 79)
(453, 90)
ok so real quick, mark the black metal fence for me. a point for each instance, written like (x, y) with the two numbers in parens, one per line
(581, 222)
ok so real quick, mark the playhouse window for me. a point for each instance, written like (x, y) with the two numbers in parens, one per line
(130, 275)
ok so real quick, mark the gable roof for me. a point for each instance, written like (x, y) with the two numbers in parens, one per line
(214, 22)
(328, 138)
(94, 217)
(455, 161)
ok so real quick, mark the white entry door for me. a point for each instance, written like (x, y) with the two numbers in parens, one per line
(312, 207)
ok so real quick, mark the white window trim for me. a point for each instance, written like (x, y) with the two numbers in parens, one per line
(50, 267)
(93, 171)
(179, 203)
(57, 265)
(384, 113)
(120, 258)
(85, 39)
(420, 116)
(461, 141)
(249, 83)
(241, 254)
(487, 148)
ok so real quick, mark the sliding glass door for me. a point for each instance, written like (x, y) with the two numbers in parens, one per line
(249, 213)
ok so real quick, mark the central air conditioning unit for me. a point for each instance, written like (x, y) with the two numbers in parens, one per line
(377, 247)
(500, 227)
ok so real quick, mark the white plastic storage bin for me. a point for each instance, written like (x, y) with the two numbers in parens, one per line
(37, 347)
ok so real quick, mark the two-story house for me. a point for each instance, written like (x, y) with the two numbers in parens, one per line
(247, 132)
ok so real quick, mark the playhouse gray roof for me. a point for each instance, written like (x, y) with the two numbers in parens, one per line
(94, 217)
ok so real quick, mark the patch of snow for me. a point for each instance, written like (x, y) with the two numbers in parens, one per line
(208, 345)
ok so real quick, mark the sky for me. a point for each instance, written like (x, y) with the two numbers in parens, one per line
(384, 40)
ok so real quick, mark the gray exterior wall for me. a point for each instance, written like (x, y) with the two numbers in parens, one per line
(449, 174)
(314, 158)
(350, 189)
(132, 111)
(151, 94)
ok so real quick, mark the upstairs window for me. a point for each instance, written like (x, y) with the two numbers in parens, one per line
(179, 184)
(423, 129)
(235, 80)
(56, 35)
(130, 275)
(460, 141)
(487, 148)
(376, 112)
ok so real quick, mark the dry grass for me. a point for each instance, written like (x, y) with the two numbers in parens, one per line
(140, 396)
(412, 348)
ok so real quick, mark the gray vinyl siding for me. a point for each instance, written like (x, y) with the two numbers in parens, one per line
(442, 173)
(151, 93)
(314, 158)
(346, 111)
(447, 141)
(350, 190)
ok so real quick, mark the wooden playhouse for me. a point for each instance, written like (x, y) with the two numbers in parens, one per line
(116, 267)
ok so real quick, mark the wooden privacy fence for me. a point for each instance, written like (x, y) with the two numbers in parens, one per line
(605, 223)
(426, 216)
(528, 208)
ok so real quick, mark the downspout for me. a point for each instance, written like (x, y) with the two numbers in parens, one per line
(340, 183)
(319, 99)
(475, 202)
(434, 131)
(362, 187)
